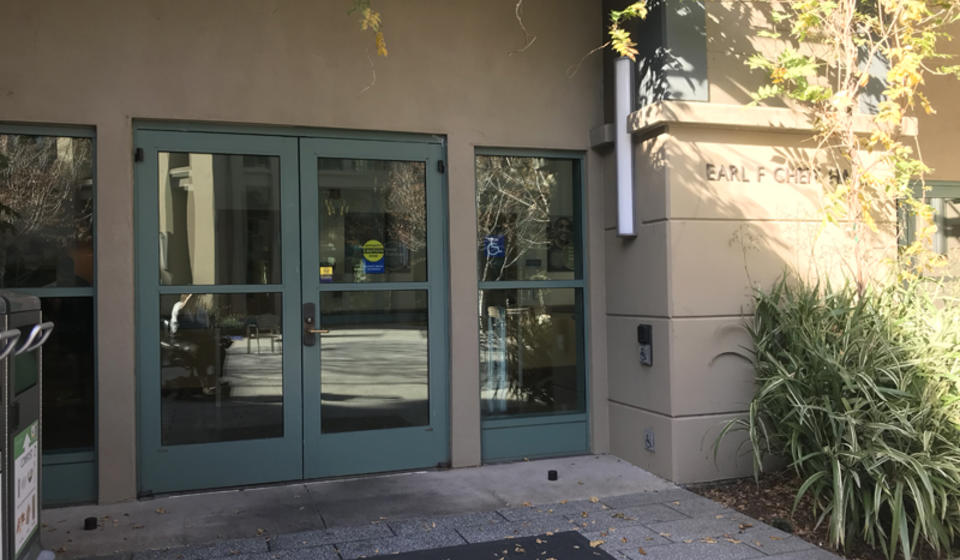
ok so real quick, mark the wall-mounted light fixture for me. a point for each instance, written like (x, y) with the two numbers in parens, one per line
(623, 97)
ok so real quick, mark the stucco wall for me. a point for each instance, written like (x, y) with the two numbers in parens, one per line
(451, 71)
(937, 130)
(728, 202)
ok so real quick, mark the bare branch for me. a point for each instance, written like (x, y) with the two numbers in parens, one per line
(528, 38)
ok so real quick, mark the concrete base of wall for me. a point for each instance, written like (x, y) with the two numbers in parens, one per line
(683, 449)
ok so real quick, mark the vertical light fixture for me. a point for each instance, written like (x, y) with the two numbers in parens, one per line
(623, 100)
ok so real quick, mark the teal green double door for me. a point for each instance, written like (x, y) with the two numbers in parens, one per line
(291, 300)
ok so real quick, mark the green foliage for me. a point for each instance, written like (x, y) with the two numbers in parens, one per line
(823, 72)
(861, 391)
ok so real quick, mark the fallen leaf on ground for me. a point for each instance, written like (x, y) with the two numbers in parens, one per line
(596, 543)
(594, 499)
(641, 550)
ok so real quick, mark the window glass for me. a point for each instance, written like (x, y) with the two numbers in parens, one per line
(46, 240)
(373, 220)
(531, 334)
(375, 364)
(221, 367)
(530, 342)
(46, 211)
(219, 219)
(68, 391)
(528, 218)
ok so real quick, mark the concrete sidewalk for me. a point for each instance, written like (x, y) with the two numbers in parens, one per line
(634, 514)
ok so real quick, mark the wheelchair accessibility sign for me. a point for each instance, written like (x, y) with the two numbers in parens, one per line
(494, 246)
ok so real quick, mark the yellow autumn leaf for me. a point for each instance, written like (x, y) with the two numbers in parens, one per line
(381, 44)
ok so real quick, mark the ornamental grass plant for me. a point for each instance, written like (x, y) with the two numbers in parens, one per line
(860, 391)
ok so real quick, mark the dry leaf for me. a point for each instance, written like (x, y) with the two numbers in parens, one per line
(641, 550)
(526, 504)
(160, 510)
(623, 539)
(594, 499)
(596, 543)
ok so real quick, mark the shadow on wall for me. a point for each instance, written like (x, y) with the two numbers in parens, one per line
(657, 63)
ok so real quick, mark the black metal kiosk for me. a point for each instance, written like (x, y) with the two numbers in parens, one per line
(22, 333)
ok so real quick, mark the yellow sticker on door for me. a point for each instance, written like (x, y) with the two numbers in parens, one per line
(373, 257)
(373, 250)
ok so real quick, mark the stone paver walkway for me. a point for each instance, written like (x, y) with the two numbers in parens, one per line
(672, 524)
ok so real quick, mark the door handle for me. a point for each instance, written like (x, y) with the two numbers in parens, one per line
(309, 314)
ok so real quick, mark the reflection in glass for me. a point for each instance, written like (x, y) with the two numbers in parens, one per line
(68, 388)
(527, 218)
(46, 211)
(373, 220)
(219, 219)
(221, 370)
(374, 370)
(530, 350)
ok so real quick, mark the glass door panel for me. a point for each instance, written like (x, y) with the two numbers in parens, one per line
(374, 364)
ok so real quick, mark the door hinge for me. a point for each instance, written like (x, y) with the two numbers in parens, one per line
(138, 155)
(441, 167)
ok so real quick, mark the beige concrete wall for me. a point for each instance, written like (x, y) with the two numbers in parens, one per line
(451, 71)
(938, 129)
(731, 39)
(727, 205)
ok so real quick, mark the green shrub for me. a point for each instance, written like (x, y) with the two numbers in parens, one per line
(861, 393)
